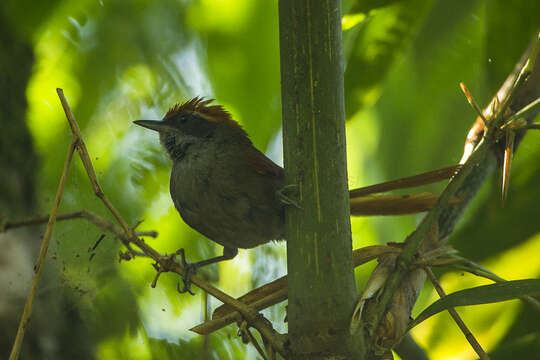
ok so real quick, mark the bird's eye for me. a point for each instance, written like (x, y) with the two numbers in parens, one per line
(183, 119)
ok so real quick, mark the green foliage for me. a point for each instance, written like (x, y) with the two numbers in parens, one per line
(372, 46)
(119, 61)
(482, 295)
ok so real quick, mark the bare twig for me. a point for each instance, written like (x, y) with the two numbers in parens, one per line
(85, 158)
(81, 214)
(206, 338)
(468, 335)
(374, 205)
(473, 103)
(534, 126)
(407, 182)
(25, 318)
(277, 291)
(507, 163)
(217, 323)
(247, 335)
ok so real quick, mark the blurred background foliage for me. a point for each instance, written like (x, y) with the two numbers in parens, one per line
(119, 61)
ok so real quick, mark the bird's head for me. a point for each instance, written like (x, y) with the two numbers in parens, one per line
(194, 121)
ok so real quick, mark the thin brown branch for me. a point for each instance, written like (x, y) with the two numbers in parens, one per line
(276, 292)
(206, 338)
(534, 126)
(233, 315)
(85, 158)
(472, 102)
(81, 214)
(379, 205)
(507, 163)
(407, 182)
(247, 335)
(468, 334)
(25, 318)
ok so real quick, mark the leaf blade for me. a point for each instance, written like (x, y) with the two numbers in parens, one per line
(481, 295)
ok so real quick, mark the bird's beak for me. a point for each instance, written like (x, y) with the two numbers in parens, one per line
(154, 125)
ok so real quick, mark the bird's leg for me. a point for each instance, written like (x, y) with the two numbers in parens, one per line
(192, 268)
(284, 195)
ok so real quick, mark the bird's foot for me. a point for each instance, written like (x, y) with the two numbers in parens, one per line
(286, 193)
(189, 269)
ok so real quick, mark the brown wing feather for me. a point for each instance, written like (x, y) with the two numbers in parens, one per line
(263, 165)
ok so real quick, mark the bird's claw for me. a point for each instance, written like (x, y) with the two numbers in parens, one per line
(291, 189)
(189, 269)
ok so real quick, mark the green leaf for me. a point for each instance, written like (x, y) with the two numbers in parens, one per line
(372, 46)
(482, 295)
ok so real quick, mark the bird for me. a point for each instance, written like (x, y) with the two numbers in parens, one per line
(224, 187)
